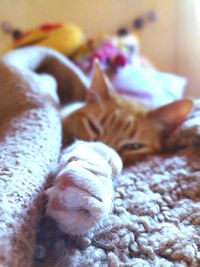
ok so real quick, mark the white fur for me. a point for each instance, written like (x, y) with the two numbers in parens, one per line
(72, 107)
(90, 167)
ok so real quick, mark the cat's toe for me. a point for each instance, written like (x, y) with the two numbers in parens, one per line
(72, 217)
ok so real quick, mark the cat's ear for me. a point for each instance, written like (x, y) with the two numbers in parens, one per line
(101, 88)
(172, 115)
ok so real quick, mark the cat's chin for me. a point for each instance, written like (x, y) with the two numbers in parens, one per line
(129, 159)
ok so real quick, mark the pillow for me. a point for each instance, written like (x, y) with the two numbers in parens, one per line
(148, 85)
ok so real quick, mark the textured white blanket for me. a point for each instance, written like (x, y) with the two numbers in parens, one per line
(156, 219)
(30, 142)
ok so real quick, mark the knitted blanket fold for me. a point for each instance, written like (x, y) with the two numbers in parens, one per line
(156, 217)
(30, 142)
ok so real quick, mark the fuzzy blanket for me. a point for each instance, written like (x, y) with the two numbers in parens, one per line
(30, 142)
(156, 217)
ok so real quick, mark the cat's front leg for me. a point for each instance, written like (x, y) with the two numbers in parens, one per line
(82, 193)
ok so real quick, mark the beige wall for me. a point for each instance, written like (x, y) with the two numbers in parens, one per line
(173, 43)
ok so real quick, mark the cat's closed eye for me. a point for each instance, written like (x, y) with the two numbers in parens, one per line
(93, 126)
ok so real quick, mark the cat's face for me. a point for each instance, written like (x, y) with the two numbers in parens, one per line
(118, 122)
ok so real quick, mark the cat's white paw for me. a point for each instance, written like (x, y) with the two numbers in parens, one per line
(82, 193)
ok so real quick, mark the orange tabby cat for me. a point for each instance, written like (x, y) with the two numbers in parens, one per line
(126, 126)
(82, 193)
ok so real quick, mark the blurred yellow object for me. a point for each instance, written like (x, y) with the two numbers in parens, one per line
(65, 38)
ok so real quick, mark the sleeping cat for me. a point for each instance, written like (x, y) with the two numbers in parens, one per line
(108, 129)
(114, 129)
